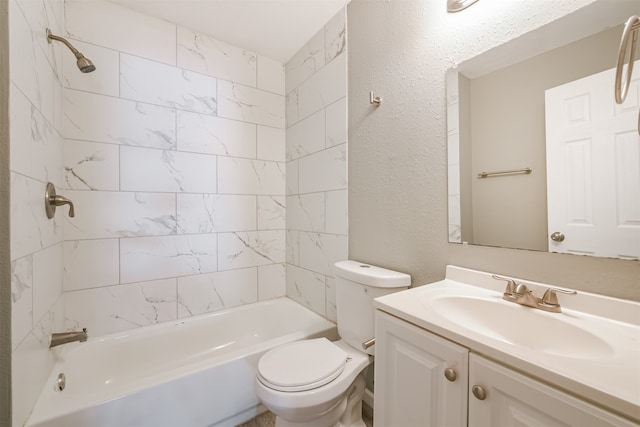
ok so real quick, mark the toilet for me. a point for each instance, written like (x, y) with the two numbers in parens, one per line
(319, 383)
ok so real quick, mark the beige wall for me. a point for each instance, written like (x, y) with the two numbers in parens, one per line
(397, 152)
(511, 211)
(5, 262)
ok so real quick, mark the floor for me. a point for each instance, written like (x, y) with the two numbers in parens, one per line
(268, 419)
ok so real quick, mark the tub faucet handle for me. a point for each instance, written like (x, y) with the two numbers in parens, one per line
(52, 200)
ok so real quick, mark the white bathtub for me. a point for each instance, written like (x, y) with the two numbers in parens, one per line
(193, 372)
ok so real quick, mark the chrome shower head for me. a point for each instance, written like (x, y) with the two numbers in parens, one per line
(84, 64)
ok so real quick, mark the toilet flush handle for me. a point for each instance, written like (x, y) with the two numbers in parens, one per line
(367, 344)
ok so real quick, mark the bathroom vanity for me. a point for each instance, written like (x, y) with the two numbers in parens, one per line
(456, 353)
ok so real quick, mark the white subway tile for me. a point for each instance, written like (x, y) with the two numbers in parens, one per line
(306, 137)
(29, 68)
(271, 144)
(337, 212)
(306, 288)
(105, 79)
(306, 62)
(105, 214)
(330, 299)
(206, 293)
(293, 247)
(21, 299)
(291, 107)
(270, 75)
(30, 228)
(306, 212)
(242, 176)
(35, 146)
(318, 252)
(39, 15)
(91, 263)
(147, 169)
(323, 88)
(336, 116)
(120, 308)
(149, 258)
(47, 280)
(335, 36)
(214, 135)
(209, 213)
(204, 54)
(292, 178)
(251, 105)
(272, 281)
(324, 171)
(91, 166)
(271, 213)
(250, 249)
(160, 84)
(91, 117)
(135, 33)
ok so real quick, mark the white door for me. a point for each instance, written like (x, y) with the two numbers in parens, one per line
(593, 167)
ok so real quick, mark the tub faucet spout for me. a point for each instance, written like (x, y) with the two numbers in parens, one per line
(60, 338)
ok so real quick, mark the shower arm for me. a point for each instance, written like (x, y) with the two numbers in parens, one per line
(63, 40)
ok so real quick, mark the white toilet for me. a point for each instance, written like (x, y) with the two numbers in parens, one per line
(319, 383)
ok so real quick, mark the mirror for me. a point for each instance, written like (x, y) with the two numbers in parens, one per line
(498, 123)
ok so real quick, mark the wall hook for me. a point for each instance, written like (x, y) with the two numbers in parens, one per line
(51, 201)
(376, 100)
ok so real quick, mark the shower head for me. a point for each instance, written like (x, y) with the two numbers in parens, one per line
(84, 64)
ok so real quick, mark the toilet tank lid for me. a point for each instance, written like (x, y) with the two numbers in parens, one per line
(371, 275)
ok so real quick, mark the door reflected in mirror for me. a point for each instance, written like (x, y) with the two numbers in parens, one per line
(584, 179)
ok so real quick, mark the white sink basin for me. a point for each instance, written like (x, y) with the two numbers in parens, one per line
(519, 325)
(591, 348)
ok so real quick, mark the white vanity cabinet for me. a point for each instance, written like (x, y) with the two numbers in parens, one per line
(513, 399)
(411, 388)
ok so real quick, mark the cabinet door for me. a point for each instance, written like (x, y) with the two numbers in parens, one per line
(410, 385)
(513, 399)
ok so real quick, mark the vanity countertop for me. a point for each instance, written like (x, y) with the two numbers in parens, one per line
(598, 359)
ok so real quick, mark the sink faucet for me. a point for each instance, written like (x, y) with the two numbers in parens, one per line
(520, 294)
(60, 338)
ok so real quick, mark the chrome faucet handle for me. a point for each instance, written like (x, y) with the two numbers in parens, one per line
(511, 284)
(550, 297)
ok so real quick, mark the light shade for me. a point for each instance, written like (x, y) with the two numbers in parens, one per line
(458, 5)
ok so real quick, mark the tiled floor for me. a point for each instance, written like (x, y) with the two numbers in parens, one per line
(268, 419)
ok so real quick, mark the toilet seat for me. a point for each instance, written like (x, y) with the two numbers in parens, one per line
(301, 365)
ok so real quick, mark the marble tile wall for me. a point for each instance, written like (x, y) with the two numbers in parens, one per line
(174, 155)
(35, 102)
(316, 179)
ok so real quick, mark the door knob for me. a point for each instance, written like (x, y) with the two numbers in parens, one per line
(557, 236)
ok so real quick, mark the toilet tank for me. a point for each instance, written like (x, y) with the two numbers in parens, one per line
(357, 284)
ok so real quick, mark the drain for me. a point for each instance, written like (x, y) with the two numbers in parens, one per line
(61, 382)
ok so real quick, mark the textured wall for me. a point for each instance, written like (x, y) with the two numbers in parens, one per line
(397, 153)
(316, 79)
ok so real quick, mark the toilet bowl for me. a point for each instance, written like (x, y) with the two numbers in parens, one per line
(319, 383)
